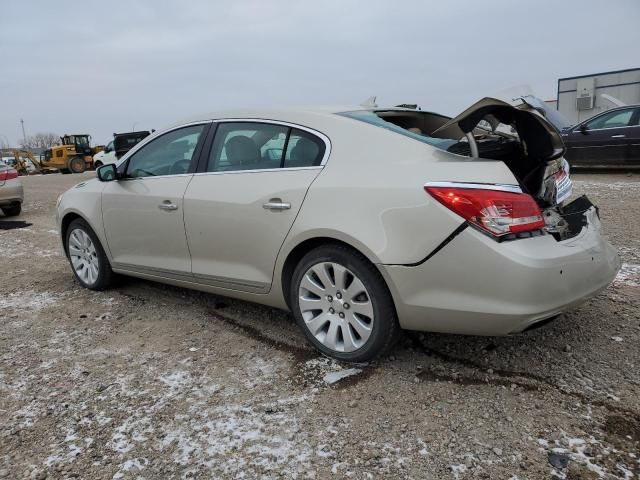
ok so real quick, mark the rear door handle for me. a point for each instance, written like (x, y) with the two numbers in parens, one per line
(167, 205)
(274, 205)
(617, 136)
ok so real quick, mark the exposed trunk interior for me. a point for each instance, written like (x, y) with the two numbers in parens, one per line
(516, 137)
(523, 140)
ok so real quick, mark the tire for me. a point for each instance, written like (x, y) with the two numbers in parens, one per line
(364, 315)
(12, 211)
(97, 165)
(83, 256)
(77, 165)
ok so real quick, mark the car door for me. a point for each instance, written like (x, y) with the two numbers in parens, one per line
(243, 201)
(143, 212)
(601, 140)
(633, 140)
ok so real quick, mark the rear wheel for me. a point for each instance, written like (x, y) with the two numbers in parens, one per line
(97, 164)
(13, 210)
(342, 304)
(88, 261)
(77, 165)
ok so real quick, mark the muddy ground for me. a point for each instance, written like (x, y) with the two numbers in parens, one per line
(155, 382)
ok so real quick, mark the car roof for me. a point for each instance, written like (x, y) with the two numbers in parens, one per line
(276, 113)
(304, 115)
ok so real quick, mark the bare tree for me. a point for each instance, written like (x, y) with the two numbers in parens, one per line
(41, 140)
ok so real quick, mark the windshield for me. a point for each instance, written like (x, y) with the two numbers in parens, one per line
(373, 119)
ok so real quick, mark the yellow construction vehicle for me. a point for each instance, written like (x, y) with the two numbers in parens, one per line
(75, 155)
(25, 162)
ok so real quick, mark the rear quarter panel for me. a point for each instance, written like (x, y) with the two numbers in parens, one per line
(371, 193)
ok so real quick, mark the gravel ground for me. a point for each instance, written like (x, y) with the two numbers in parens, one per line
(155, 382)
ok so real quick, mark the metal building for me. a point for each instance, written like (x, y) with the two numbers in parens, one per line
(586, 95)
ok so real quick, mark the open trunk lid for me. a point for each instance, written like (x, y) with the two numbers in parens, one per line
(523, 132)
(526, 112)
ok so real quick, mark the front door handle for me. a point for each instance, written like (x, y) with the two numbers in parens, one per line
(276, 204)
(167, 205)
(617, 136)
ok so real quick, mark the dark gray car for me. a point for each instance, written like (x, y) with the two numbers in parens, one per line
(610, 139)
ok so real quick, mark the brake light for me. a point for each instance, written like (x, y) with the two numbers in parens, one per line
(8, 174)
(494, 211)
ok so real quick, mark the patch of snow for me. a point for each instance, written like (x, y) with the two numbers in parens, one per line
(629, 275)
(616, 339)
(457, 470)
(322, 371)
(29, 300)
(333, 377)
(176, 380)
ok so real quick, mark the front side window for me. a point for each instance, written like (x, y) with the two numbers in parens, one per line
(611, 120)
(169, 154)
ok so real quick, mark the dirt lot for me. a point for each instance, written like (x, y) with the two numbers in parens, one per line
(148, 381)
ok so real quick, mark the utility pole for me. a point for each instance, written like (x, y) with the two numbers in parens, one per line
(24, 137)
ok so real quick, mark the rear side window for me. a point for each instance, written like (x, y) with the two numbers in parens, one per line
(239, 146)
(303, 150)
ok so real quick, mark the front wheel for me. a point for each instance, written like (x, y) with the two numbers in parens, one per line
(88, 261)
(342, 304)
(77, 165)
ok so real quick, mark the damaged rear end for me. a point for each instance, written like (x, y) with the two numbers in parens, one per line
(522, 132)
(533, 250)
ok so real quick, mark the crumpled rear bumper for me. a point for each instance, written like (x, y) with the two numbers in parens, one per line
(11, 192)
(478, 286)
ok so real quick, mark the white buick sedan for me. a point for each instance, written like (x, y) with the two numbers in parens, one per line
(360, 221)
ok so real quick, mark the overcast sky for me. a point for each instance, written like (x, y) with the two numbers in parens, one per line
(102, 66)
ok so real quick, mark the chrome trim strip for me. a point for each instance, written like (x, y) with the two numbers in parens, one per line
(257, 170)
(577, 130)
(500, 187)
(211, 280)
(322, 136)
(152, 177)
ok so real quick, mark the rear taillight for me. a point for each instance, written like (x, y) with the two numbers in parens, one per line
(496, 212)
(8, 174)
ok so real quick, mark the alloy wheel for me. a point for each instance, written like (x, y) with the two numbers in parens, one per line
(336, 307)
(83, 255)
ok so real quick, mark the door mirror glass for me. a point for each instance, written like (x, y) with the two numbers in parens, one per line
(107, 173)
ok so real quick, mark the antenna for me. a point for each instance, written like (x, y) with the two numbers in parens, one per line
(369, 102)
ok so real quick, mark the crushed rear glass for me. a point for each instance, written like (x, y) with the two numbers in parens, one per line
(373, 119)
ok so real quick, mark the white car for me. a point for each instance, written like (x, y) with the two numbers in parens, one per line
(11, 191)
(359, 220)
(105, 157)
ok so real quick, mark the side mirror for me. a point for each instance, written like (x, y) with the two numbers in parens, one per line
(107, 173)
(583, 129)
